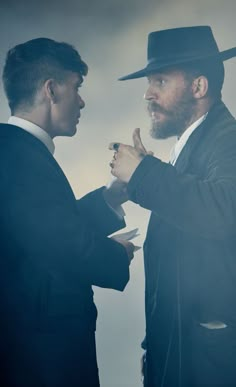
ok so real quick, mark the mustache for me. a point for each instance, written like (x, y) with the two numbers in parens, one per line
(152, 106)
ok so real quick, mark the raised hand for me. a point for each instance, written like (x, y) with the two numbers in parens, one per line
(126, 158)
(138, 145)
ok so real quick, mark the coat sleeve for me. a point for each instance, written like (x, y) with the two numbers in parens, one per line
(204, 207)
(99, 215)
(44, 224)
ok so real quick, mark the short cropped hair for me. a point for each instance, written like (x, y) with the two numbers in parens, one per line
(212, 69)
(30, 64)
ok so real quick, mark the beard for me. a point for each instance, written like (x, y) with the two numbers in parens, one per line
(176, 119)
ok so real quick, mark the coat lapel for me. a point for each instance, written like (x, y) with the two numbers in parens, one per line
(188, 152)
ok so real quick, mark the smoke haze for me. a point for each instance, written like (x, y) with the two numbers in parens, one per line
(111, 36)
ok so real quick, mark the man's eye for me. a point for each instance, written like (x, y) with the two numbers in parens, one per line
(160, 82)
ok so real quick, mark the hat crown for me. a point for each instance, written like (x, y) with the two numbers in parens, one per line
(176, 46)
(181, 42)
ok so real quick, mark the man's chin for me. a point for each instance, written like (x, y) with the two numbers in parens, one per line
(158, 134)
(161, 133)
(72, 132)
(69, 132)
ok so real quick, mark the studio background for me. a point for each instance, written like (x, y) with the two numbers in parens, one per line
(111, 36)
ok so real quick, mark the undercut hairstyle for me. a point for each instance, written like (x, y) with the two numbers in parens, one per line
(212, 69)
(29, 65)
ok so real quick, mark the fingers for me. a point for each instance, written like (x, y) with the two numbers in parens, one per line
(112, 163)
(126, 158)
(138, 142)
(114, 146)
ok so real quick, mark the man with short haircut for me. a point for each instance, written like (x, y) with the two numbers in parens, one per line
(53, 248)
(190, 247)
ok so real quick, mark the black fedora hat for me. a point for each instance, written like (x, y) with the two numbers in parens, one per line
(180, 45)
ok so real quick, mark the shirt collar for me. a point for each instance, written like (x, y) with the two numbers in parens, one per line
(35, 130)
(184, 138)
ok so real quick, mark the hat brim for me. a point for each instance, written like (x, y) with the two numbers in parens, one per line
(158, 65)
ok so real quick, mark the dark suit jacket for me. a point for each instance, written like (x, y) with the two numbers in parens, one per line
(190, 257)
(52, 250)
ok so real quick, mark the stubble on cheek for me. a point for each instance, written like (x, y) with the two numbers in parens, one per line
(173, 121)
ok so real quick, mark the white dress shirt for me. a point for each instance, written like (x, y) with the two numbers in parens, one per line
(176, 150)
(35, 130)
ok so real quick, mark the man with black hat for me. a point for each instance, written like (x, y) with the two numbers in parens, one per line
(190, 248)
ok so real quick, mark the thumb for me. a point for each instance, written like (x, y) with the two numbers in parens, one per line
(138, 142)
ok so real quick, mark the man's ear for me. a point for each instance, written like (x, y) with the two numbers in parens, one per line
(51, 90)
(200, 87)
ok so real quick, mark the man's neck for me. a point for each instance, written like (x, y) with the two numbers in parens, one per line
(202, 109)
(33, 129)
(36, 116)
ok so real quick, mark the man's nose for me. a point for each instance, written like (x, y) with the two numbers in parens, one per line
(149, 95)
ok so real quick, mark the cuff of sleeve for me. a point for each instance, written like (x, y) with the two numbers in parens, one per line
(119, 211)
(139, 175)
(99, 213)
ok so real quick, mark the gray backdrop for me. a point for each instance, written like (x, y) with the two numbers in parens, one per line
(111, 36)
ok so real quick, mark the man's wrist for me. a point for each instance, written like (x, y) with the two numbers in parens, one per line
(112, 204)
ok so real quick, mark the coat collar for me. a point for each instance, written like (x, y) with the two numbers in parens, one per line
(206, 128)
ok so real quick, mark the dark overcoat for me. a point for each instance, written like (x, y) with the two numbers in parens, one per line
(53, 248)
(190, 258)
